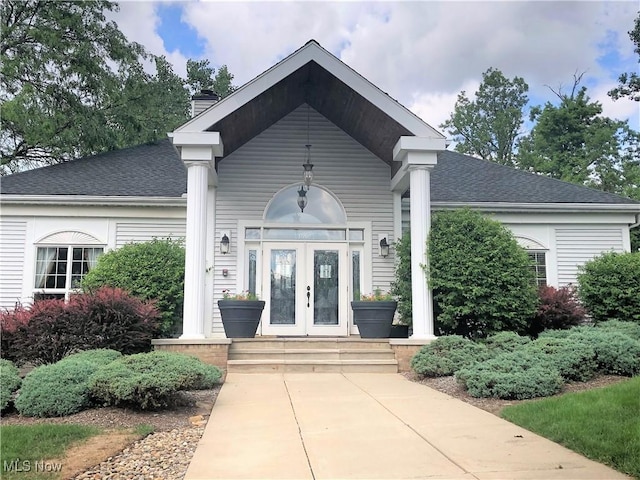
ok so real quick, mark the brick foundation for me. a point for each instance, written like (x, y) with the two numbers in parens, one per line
(405, 349)
(211, 351)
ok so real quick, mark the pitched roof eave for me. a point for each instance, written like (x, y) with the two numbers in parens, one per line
(86, 200)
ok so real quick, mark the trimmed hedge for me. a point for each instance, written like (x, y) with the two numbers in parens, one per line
(609, 287)
(9, 382)
(514, 375)
(481, 278)
(150, 271)
(151, 380)
(446, 355)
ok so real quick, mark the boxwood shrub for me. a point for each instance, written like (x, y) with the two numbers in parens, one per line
(9, 382)
(573, 360)
(446, 355)
(512, 375)
(150, 380)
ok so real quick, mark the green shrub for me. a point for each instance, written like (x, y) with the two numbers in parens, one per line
(55, 390)
(99, 356)
(151, 271)
(514, 375)
(481, 278)
(616, 353)
(557, 309)
(9, 382)
(401, 287)
(573, 360)
(628, 328)
(502, 342)
(446, 355)
(150, 380)
(609, 287)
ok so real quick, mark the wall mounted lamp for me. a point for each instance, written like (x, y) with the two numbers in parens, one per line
(225, 243)
(384, 247)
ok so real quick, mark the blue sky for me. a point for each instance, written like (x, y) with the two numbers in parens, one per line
(421, 53)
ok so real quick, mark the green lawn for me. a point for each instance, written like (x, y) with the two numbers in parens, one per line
(601, 424)
(26, 451)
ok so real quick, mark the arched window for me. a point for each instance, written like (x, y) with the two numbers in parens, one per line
(62, 260)
(538, 257)
(322, 208)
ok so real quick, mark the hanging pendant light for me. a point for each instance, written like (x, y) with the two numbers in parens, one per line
(307, 173)
(302, 198)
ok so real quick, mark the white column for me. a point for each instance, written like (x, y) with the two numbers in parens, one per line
(195, 250)
(422, 304)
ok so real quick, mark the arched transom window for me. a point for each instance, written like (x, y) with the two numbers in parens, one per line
(322, 208)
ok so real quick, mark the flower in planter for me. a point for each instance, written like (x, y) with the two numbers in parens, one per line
(377, 296)
(244, 295)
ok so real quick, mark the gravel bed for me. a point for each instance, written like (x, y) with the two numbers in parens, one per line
(163, 455)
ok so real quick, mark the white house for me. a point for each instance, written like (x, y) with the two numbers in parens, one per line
(234, 173)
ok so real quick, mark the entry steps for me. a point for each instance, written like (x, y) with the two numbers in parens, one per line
(322, 355)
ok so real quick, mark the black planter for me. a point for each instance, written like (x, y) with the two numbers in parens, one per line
(399, 331)
(240, 318)
(374, 319)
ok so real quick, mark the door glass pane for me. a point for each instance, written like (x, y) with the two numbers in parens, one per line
(355, 268)
(283, 287)
(252, 271)
(325, 287)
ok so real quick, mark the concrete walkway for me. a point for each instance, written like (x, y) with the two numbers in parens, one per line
(368, 426)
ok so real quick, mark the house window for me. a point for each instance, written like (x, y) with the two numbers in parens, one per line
(539, 266)
(59, 270)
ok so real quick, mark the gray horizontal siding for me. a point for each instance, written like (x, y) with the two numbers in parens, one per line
(578, 245)
(136, 232)
(13, 234)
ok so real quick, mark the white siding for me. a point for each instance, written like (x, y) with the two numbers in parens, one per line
(13, 234)
(141, 231)
(579, 244)
(253, 174)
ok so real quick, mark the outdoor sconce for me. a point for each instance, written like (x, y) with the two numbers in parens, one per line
(224, 243)
(384, 247)
(302, 198)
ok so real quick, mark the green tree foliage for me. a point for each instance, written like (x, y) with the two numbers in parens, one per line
(489, 125)
(401, 286)
(630, 82)
(151, 271)
(201, 75)
(73, 85)
(573, 142)
(609, 287)
(481, 278)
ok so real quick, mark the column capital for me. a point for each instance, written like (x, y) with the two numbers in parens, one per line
(418, 150)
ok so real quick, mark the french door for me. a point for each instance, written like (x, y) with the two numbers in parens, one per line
(305, 287)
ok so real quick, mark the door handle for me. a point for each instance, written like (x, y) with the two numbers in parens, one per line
(308, 295)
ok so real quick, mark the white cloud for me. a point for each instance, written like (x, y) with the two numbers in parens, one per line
(421, 53)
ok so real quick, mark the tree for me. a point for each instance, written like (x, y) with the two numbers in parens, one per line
(481, 278)
(73, 85)
(200, 75)
(489, 126)
(573, 142)
(630, 82)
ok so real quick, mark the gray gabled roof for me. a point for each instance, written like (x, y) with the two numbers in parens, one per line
(466, 179)
(155, 170)
(151, 170)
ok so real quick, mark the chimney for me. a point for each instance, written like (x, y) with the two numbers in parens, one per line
(203, 100)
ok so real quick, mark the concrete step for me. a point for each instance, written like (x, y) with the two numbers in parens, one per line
(318, 366)
(307, 343)
(311, 354)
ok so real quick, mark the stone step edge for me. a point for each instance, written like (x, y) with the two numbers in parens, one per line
(296, 351)
(277, 361)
